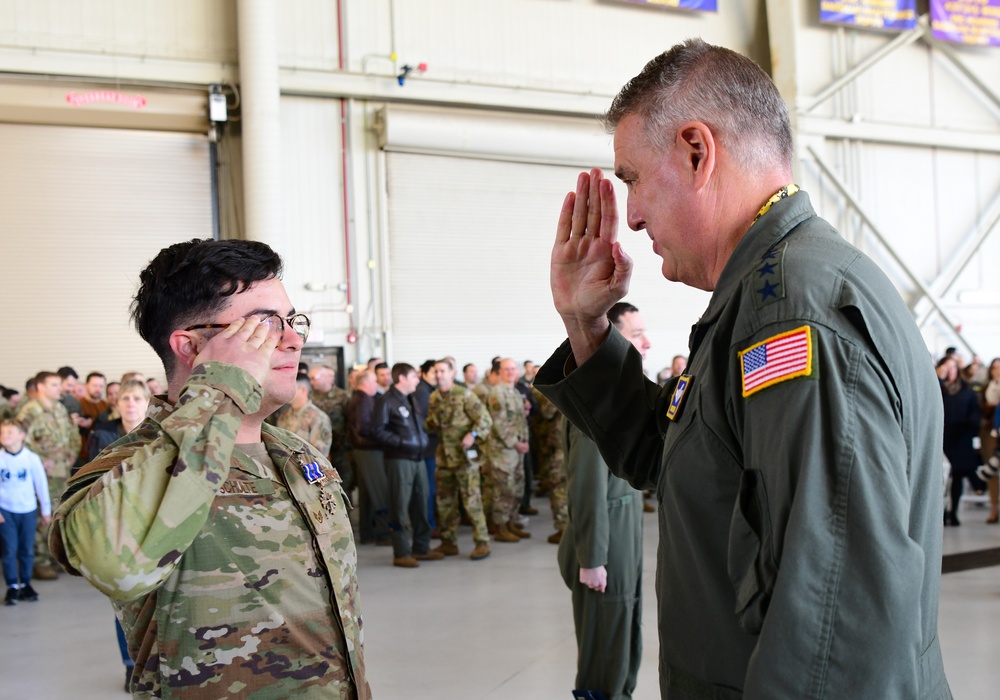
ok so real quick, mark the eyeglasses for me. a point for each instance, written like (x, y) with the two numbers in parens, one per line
(276, 324)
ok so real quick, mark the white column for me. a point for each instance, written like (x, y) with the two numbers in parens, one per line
(261, 127)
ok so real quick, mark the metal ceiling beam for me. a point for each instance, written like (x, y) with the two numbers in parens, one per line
(859, 209)
(901, 40)
(967, 250)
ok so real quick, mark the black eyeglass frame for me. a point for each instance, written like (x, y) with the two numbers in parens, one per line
(290, 321)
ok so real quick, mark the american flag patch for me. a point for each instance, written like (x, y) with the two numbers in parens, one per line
(784, 356)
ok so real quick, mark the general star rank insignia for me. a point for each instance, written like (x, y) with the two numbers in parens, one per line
(677, 400)
(767, 279)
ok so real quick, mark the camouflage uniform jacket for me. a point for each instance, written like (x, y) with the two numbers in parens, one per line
(482, 390)
(334, 404)
(509, 423)
(230, 580)
(452, 416)
(310, 424)
(52, 435)
(545, 424)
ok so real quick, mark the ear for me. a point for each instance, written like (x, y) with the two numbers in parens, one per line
(186, 345)
(699, 149)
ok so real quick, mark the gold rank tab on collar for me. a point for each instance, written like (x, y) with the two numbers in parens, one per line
(783, 193)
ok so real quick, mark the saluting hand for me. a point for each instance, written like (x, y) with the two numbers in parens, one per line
(589, 270)
(247, 343)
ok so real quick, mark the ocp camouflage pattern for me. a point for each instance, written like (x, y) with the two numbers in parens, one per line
(309, 423)
(231, 579)
(452, 416)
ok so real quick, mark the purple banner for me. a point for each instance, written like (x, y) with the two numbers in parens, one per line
(700, 5)
(897, 15)
(966, 21)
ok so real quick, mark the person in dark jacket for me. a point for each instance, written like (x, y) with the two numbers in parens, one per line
(372, 483)
(398, 427)
(961, 426)
(422, 397)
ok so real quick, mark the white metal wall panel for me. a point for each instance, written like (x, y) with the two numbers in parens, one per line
(307, 34)
(177, 29)
(469, 245)
(539, 44)
(312, 188)
(82, 212)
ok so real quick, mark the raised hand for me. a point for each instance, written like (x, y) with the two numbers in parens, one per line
(589, 271)
(247, 343)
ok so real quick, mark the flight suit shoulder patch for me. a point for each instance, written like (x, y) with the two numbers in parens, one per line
(777, 359)
(767, 278)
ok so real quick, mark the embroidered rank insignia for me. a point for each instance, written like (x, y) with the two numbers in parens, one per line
(680, 391)
(768, 277)
(777, 359)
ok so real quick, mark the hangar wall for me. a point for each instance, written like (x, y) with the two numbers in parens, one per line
(390, 191)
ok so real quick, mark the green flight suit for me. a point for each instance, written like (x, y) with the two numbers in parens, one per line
(800, 519)
(604, 529)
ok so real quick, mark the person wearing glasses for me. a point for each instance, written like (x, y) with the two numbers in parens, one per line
(223, 543)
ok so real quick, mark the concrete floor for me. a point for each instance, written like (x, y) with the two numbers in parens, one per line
(461, 630)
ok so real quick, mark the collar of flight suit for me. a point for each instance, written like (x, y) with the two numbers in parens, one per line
(765, 233)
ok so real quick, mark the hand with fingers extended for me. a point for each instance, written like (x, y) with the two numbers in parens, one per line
(589, 270)
(247, 343)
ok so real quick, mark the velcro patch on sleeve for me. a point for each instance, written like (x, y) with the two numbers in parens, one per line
(779, 358)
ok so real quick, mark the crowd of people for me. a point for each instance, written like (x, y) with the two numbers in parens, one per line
(970, 392)
(797, 463)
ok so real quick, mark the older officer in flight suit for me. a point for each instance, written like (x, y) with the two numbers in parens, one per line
(798, 461)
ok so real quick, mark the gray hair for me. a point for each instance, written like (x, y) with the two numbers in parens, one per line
(728, 92)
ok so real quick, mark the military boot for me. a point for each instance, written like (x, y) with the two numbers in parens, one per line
(503, 534)
(449, 550)
(481, 551)
(43, 572)
(556, 537)
(518, 530)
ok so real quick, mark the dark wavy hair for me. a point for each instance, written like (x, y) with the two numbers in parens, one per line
(188, 282)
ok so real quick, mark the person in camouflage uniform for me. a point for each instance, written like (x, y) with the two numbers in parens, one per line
(224, 543)
(332, 400)
(306, 420)
(482, 392)
(549, 425)
(459, 418)
(507, 444)
(54, 437)
(6, 410)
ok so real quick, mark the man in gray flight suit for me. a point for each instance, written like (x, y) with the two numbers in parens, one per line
(600, 555)
(797, 461)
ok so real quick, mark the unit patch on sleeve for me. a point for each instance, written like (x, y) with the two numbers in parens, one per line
(777, 359)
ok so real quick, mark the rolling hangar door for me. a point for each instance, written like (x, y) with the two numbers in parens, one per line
(90, 193)
(472, 202)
